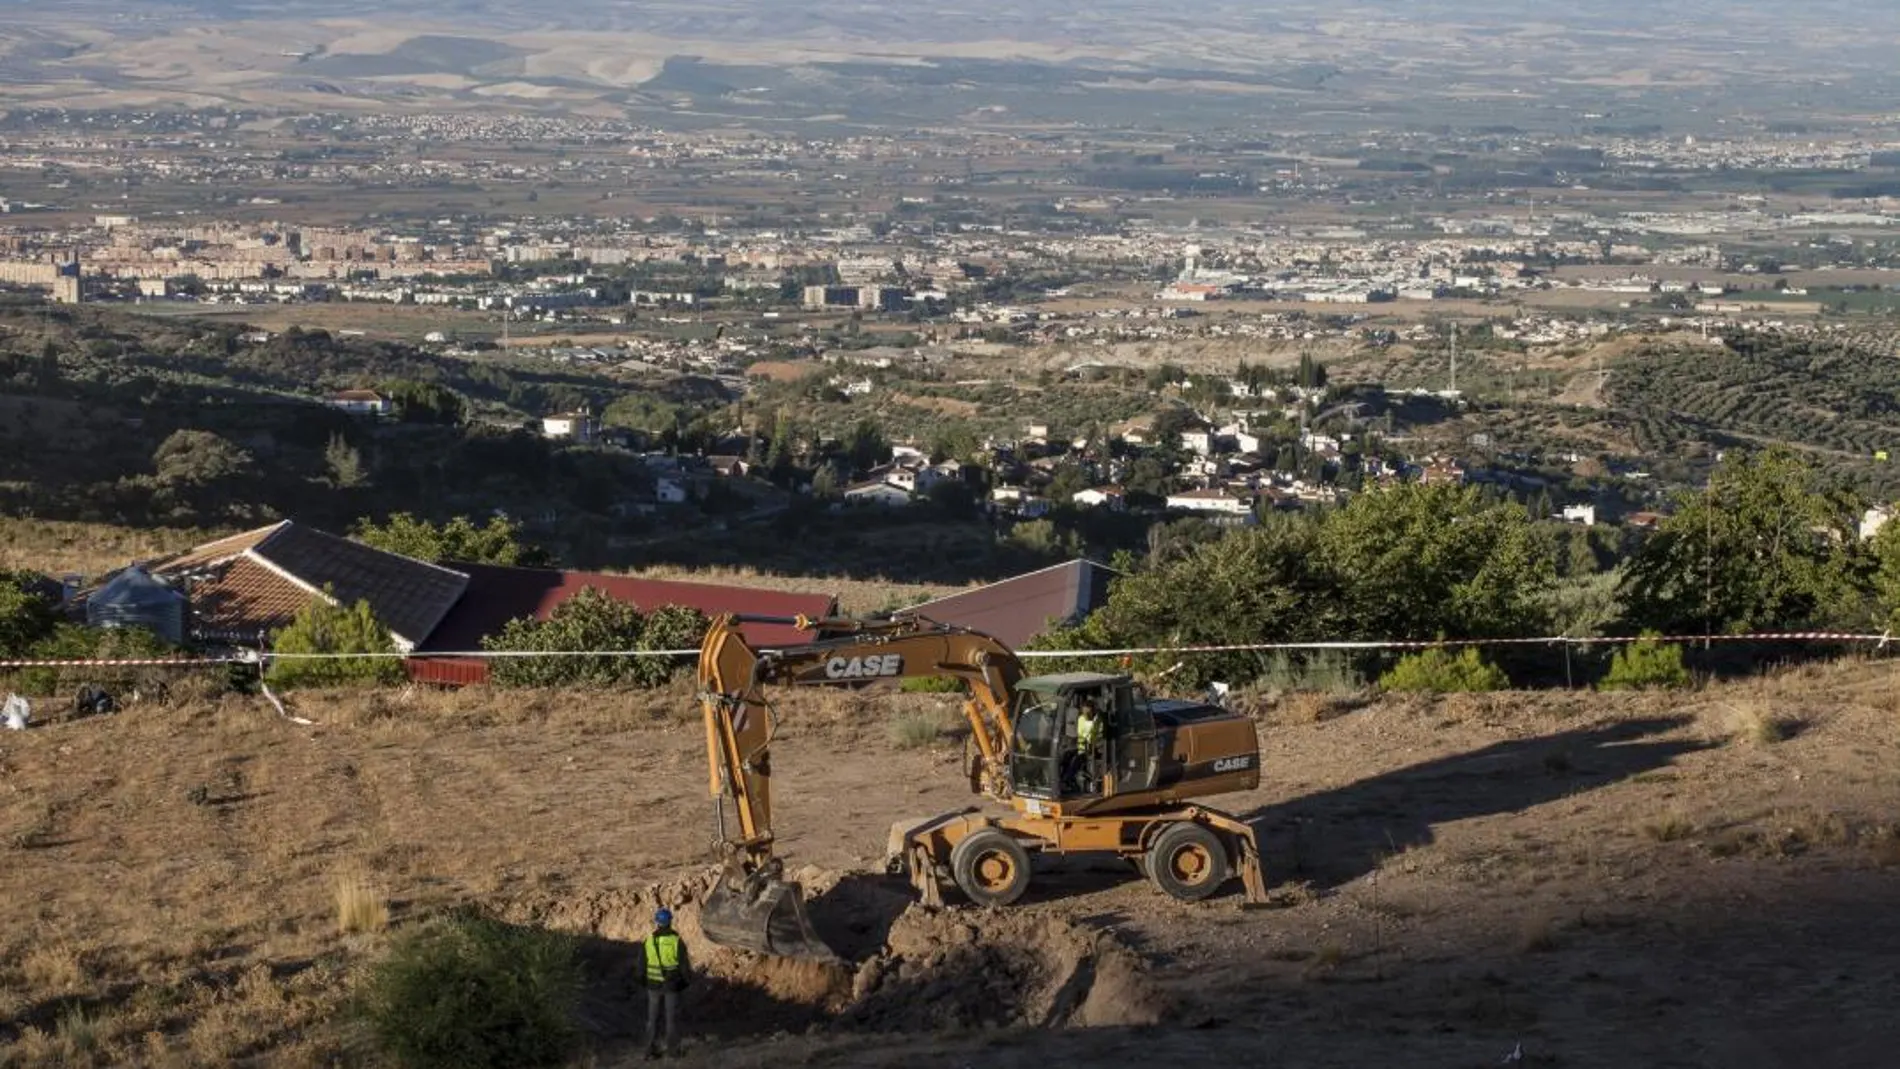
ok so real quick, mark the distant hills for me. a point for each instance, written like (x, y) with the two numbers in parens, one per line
(1038, 59)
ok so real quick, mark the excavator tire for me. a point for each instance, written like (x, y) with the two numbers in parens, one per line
(991, 867)
(1188, 861)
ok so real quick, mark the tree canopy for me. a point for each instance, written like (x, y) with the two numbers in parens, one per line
(1410, 561)
(325, 627)
(200, 458)
(1768, 544)
(595, 620)
(496, 542)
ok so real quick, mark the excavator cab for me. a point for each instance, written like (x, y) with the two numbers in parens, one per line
(1049, 763)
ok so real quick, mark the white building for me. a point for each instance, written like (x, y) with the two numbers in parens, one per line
(362, 403)
(579, 427)
(912, 479)
(1210, 501)
(1873, 520)
(1580, 514)
(1109, 497)
(882, 494)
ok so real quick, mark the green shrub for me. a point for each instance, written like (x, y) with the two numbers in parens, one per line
(1325, 671)
(25, 618)
(669, 627)
(323, 626)
(595, 620)
(912, 731)
(931, 685)
(468, 992)
(70, 642)
(1645, 665)
(1440, 671)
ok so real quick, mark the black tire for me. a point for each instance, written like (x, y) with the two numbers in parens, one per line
(991, 867)
(1189, 861)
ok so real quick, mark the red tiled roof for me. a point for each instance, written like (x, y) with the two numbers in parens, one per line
(212, 552)
(497, 594)
(241, 599)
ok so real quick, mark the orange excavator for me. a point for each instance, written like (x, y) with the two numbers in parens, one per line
(1122, 785)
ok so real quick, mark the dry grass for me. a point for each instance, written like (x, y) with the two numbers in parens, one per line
(1668, 827)
(915, 730)
(78, 1033)
(1883, 844)
(410, 712)
(56, 547)
(1303, 707)
(1538, 934)
(1790, 833)
(237, 945)
(856, 597)
(55, 968)
(35, 1046)
(1756, 724)
(359, 906)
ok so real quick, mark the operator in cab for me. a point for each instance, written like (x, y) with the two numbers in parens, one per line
(1089, 732)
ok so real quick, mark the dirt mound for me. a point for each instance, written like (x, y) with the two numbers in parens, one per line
(964, 969)
(906, 969)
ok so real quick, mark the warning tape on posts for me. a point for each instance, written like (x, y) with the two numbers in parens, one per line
(1879, 640)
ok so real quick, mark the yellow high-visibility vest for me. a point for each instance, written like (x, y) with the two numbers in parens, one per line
(663, 956)
(1087, 729)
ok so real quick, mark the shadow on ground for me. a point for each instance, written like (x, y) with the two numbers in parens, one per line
(1338, 835)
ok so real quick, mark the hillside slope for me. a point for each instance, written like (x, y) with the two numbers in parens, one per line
(1610, 880)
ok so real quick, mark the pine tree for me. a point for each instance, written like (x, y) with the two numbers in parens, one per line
(323, 626)
(345, 463)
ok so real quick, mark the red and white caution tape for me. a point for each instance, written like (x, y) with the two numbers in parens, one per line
(150, 662)
(247, 657)
(278, 704)
(1452, 643)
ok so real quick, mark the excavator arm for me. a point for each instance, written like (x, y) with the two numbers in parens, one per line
(753, 906)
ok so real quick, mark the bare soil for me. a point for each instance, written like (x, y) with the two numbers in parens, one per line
(1683, 879)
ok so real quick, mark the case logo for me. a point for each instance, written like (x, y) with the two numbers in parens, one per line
(876, 666)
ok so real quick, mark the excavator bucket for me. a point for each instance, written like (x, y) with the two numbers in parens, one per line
(761, 912)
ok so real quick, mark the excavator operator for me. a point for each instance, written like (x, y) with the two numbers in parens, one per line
(1086, 774)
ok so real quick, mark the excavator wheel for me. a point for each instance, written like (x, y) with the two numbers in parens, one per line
(1188, 861)
(991, 867)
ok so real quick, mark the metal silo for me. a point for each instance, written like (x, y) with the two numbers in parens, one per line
(134, 599)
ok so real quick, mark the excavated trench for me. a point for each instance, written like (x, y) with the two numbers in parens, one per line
(906, 968)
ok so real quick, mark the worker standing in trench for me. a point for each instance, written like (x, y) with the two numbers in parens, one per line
(666, 970)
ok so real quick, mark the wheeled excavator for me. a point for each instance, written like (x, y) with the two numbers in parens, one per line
(1127, 794)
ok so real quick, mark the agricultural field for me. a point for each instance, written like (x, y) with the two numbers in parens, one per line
(1831, 398)
(1691, 878)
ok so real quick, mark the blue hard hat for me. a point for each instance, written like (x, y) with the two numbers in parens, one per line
(663, 917)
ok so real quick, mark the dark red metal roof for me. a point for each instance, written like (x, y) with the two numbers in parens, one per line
(497, 594)
(1017, 610)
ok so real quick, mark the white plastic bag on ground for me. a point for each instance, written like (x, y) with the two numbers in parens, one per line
(16, 712)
